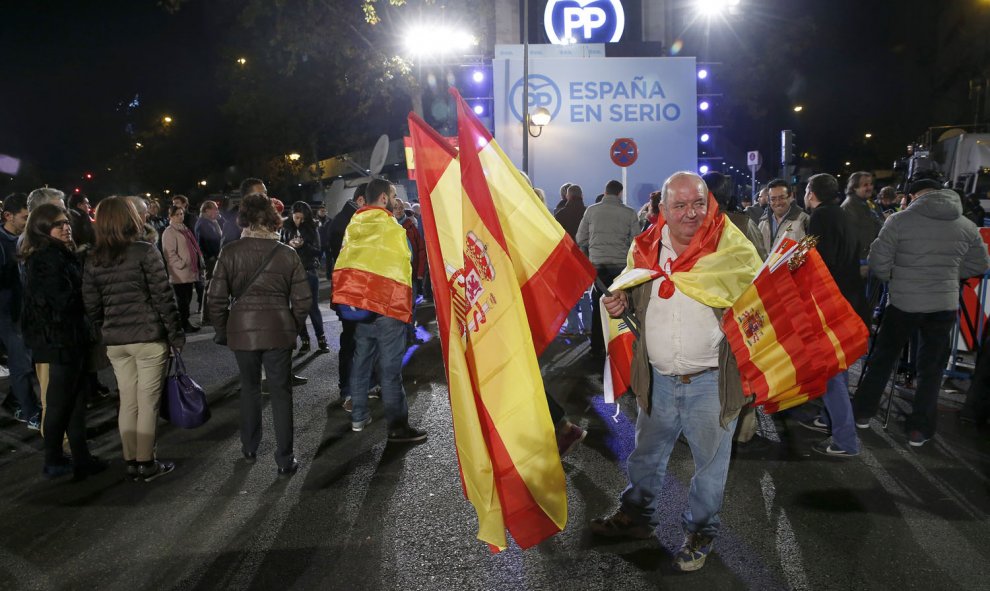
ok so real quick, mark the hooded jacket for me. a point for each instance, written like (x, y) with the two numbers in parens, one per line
(925, 250)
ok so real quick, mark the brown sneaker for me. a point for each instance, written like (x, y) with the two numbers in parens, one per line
(620, 525)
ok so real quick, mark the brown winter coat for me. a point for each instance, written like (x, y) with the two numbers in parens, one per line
(274, 308)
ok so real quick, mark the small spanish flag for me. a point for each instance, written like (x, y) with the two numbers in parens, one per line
(792, 329)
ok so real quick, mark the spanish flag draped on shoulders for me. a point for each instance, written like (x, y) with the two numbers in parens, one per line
(715, 269)
(374, 269)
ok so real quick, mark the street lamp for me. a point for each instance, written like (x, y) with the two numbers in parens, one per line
(867, 135)
(242, 61)
(294, 156)
(166, 120)
(540, 117)
(798, 108)
(202, 183)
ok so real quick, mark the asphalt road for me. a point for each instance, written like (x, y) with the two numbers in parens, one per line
(361, 514)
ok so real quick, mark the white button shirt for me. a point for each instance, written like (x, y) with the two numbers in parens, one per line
(682, 335)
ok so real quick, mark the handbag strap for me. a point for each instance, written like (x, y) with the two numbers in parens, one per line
(261, 268)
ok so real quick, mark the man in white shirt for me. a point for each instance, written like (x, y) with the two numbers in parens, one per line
(686, 379)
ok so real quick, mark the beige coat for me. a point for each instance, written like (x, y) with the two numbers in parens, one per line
(179, 258)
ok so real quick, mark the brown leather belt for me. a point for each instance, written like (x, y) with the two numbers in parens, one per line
(686, 379)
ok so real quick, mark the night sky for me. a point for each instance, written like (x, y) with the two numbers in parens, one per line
(68, 66)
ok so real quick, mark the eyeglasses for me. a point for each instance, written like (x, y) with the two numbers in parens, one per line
(60, 224)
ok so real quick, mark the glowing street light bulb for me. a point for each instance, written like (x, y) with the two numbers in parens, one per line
(798, 108)
(703, 169)
(867, 135)
(166, 120)
(294, 156)
(242, 61)
(702, 74)
(202, 183)
(705, 137)
(703, 105)
(479, 110)
(848, 163)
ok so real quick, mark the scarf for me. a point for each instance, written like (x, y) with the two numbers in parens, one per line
(193, 246)
(716, 267)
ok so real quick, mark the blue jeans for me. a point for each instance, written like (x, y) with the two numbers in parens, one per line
(838, 413)
(19, 362)
(315, 317)
(387, 336)
(694, 409)
(582, 324)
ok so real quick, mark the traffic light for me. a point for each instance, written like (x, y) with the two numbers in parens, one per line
(788, 147)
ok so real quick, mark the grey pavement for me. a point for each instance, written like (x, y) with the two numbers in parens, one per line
(361, 514)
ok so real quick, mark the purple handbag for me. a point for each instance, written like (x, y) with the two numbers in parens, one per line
(183, 400)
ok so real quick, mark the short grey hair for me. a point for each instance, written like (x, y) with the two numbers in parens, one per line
(140, 204)
(665, 190)
(45, 195)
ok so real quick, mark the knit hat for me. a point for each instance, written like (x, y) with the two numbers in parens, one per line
(922, 184)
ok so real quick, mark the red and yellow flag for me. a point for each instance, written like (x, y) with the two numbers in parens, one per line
(501, 292)
(791, 331)
(373, 271)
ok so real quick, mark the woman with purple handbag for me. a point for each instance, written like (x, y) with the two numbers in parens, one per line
(127, 296)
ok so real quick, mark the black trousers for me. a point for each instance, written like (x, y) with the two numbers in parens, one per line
(65, 411)
(278, 368)
(183, 296)
(607, 273)
(933, 354)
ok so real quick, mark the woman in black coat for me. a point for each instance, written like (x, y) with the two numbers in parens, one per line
(300, 232)
(55, 328)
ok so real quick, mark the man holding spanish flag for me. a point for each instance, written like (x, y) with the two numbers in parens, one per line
(680, 276)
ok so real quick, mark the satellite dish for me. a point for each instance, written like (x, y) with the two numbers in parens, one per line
(378, 156)
(950, 133)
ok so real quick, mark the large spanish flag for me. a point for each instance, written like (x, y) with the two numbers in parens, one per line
(373, 271)
(497, 305)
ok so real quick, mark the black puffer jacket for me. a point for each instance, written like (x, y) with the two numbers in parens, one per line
(270, 313)
(53, 319)
(132, 301)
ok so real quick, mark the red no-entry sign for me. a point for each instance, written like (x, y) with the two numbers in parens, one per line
(624, 152)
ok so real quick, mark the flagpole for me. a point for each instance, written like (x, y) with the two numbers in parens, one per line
(525, 94)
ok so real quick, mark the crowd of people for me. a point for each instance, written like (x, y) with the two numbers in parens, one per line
(83, 289)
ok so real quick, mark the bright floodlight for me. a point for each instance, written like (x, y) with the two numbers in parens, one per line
(705, 137)
(703, 169)
(479, 110)
(702, 74)
(703, 105)
(478, 76)
(438, 41)
(714, 7)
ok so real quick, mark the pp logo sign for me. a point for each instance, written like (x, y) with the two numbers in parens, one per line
(543, 92)
(584, 21)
